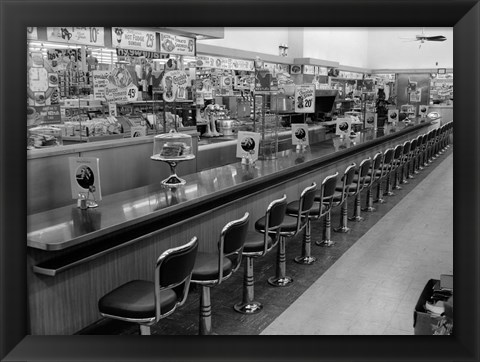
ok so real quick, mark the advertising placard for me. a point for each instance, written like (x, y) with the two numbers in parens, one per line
(205, 61)
(308, 69)
(100, 81)
(392, 116)
(371, 120)
(344, 126)
(177, 44)
(248, 144)
(300, 134)
(174, 84)
(138, 53)
(295, 69)
(134, 39)
(85, 177)
(112, 109)
(422, 110)
(305, 98)
(86, 35)
(32, 33)
(120, 86)
(37, 115)
(270, 66)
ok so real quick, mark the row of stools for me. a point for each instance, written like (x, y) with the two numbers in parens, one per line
(146, 302)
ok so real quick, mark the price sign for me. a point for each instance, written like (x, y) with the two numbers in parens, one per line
(172, 82)
(133, 39)
(114, 93)
(100, 80)
(86, 35)
(176, 44)
(305, 98)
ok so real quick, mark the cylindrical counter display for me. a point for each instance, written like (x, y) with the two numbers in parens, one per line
(75, 256)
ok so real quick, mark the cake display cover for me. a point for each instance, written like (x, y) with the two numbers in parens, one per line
(173, 146)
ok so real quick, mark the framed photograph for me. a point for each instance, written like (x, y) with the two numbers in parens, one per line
(19, 343)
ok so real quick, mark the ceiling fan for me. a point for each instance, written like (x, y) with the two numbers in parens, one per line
(423, 38)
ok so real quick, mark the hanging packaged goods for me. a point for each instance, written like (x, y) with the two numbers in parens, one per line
(73, 35)
(176, 44)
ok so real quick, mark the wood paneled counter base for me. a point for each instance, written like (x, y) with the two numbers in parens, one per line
(76, 256)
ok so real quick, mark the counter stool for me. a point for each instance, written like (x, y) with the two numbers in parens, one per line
(440, 149)
(325, 197)
(359, 181)
(372, 177)
(401, 178)
(426, 152)
(145, 302)
(212, 269)
(289, 228)
(257, 244)
(384, 172)
(410, 164)
(433, 148)
(311, 210)
(342, 192)
(421, 145)
(397, 154)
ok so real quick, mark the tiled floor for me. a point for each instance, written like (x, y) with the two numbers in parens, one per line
(374, 286)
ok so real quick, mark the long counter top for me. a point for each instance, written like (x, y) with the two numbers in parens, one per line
(155, 206)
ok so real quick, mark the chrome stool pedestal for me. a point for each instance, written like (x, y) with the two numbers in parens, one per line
(306, 257)
(280, 279)
(248, 305)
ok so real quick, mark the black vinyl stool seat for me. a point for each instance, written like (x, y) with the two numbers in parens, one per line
(290, 227)
(146, 302)
(212, 269)
(372, 177)
(257, 244)
(360, 181)
(383, 173)
(311, 211)
(326, 196)
(397, 155)
(342, 191)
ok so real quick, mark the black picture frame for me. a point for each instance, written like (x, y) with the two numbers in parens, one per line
(441, 71)
(463, 15)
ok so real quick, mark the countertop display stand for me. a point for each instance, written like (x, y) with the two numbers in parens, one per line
(173, 180)
(269, 140)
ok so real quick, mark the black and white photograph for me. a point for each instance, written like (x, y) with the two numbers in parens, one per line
(359, 239)
(372, 269)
